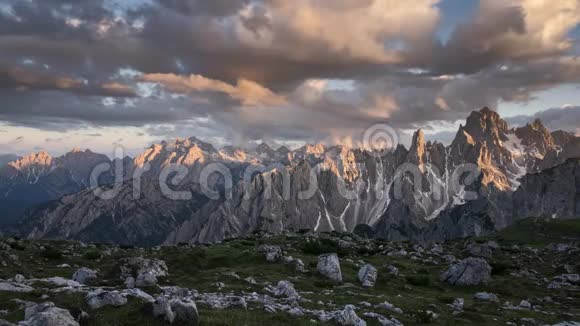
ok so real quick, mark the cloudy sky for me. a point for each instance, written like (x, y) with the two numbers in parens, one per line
(93, 73)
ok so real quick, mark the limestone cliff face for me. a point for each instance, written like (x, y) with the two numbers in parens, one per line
(554, 192)
(403, 194)
(39, 177)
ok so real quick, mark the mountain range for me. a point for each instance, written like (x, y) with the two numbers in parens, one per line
(490, 176)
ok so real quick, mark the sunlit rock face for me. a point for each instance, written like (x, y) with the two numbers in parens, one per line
(39, 177)
(418, 193)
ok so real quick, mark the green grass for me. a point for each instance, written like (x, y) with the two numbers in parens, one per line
(416, 289)
(539, 232)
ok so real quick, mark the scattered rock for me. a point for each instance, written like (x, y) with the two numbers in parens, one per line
(145, 280)
(137, 293)
(383, 321)
(390, 307)
(296, 312)
(437, 249)
(470, 271)
(329, 266)
(449, 259)
(46, 314)
(286, 289)
(485, 296)
(272, 253)
(144, 268)
(19, 278)
(367, 275)
(570, 278)
(100, 298)
(15, 287)
(236, 302)
(457, 305)
(61, 282)
(130, 282)
(162, 309)
(480, 250)
(348, 317)
(554, 286)
(185, 312)
(250, 280)
(270, 309)
(344, 244)
(392, 270)
(85, 275)
(525, 304)
(559, 247)
(298, 265)
(398, 253)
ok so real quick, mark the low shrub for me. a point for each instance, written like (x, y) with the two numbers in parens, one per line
(51, 253)
(322, 246)
(418, 280)
(92, 254)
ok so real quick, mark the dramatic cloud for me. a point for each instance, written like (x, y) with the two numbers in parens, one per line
(567, 118)
(246, 91)
(509, 31)
(286, 71)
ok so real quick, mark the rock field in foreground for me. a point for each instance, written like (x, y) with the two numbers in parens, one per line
(519, 277)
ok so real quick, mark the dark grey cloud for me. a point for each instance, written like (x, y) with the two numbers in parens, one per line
(60, 60)
(469, 48)
(567, 119)
(214, 8)
(20, 78)
(58, 110)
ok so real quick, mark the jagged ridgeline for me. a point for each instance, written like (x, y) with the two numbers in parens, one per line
(490, 176)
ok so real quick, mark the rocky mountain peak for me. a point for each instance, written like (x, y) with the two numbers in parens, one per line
(486, 124)
(283, 150)
(194, 141)
(536, 135)
(314, 149)
(417, 150)
(561, 138)
(265, 149)
(502, 156)
(33, 160)
(80, 162)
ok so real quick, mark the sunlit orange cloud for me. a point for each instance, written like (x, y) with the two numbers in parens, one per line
(118, 88)
(25, 79)
(249, 93)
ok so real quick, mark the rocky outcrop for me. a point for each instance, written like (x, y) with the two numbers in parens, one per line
(85, 275)
(272, 253)
(470, 271)
(15, 287)
(47, 314)
(38, 178)
(135, 266)
(485, 296)
(554, 192)
(101, 298)
(367, 276)
(348, 317)
(286, 289)
(329, 267)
